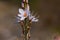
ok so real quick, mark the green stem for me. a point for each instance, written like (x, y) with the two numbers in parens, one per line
(26, 29)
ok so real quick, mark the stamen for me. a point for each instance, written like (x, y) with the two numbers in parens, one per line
(25, 14)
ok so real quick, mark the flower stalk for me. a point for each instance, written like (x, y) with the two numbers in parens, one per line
(25, 19)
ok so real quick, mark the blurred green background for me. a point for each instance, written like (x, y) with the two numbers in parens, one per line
(47, 27)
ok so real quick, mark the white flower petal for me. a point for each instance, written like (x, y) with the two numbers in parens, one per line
(21, 11)
(18, 19)
(22, 18)
(34, 20)
(31, 17)
(28, 12)
(19, 15)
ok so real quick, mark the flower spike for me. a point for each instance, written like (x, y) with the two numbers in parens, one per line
(25, 18)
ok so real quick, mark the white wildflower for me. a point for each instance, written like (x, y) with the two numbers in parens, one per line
(24, 14)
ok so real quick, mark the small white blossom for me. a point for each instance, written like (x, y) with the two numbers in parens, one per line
(21, 16)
